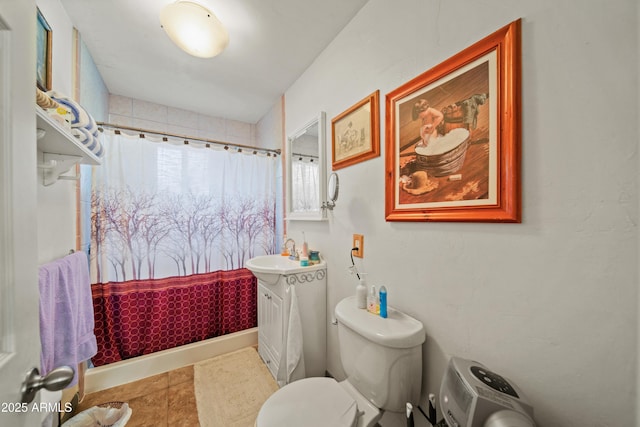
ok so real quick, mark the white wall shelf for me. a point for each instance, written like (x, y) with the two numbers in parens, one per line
(58, 140)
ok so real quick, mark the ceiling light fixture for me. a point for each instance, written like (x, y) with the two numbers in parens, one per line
(194, 28)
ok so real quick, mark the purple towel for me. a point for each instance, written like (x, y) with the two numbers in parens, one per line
(66, 314)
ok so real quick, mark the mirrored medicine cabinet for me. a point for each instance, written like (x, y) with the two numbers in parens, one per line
(306, 171)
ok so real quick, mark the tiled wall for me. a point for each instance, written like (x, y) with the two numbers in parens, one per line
(132, 112)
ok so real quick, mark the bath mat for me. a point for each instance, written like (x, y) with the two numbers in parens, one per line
(231, 388)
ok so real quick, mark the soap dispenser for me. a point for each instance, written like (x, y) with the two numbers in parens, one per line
(373, 306)
(305, 247)
(383, 302)
(361, 292)
(304, 255)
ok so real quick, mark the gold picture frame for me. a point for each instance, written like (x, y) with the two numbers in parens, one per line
(453, 137)
(44, 46)
(355, 133)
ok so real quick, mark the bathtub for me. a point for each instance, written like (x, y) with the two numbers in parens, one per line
(126, 371)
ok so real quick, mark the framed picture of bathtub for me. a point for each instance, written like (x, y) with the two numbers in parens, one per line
(453, 137)
(355, 133)
(43, 52)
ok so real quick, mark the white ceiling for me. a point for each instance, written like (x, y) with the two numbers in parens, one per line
(271, 43)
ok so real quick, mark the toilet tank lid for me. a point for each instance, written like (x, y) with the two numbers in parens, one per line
(398, 330)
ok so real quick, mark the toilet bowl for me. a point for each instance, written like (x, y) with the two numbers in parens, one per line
(317, 402)
(383, 362)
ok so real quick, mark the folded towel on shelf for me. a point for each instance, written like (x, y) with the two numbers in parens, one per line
(83, 135)
(98, 149)
(66, 313)
(83, 125)
(88, 140)
(82, 119)
(61, 115)
(92, 127)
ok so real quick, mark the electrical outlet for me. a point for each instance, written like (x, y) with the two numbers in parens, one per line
(358, 242)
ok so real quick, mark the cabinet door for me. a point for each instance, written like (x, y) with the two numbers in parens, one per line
(276, 323)
(270, 328)
(262, 316)
(264, 324)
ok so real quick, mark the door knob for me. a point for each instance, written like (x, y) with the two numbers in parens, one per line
(55, 380)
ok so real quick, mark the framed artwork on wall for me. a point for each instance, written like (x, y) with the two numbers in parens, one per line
(453, 137)
(355, 133)
(43, 64)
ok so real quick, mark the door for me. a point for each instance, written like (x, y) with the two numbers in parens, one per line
(19, 330)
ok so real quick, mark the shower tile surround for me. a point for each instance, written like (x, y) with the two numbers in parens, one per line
(133, 112)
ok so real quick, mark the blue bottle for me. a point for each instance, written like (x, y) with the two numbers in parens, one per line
(383, 302)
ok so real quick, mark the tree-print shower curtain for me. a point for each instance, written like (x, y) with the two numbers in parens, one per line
(172, 226)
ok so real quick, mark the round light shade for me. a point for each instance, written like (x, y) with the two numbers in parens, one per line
(194, 28)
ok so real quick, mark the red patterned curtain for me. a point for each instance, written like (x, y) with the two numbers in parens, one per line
(139, 317)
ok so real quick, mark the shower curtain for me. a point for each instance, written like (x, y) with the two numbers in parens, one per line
(172, 226)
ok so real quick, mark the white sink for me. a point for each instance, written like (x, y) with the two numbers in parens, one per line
(269, 268)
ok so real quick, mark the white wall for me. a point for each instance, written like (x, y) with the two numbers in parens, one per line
(269, 132)
(550, 303)
(57, 203)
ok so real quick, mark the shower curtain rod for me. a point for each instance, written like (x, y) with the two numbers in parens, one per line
(310, 156)
(166, 135)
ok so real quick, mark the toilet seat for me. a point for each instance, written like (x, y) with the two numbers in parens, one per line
(311, 402)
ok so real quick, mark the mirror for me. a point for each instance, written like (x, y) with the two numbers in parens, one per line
(306, 176)
(333, 188)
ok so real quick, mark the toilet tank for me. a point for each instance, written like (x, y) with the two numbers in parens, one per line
(381, 357)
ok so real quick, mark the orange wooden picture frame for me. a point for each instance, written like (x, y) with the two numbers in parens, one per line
(355, 133)
(43, 51)
(475, 94)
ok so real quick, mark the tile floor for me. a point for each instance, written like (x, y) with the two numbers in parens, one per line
(159, 401)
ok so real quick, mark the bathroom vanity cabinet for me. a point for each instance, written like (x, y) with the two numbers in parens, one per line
(270, 327)
(274, 315)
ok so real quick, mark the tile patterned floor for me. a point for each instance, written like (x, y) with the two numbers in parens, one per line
(159, 401)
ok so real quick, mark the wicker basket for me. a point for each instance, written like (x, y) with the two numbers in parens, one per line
(96, 416)
(44, 101)
(115, 405)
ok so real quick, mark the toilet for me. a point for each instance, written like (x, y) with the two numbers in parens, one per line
(382, 359)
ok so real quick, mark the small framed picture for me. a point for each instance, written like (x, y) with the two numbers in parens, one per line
(43, 70)
(355, 134)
